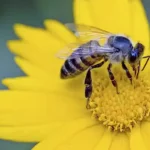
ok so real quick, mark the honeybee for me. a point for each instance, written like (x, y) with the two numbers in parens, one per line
(116, 48)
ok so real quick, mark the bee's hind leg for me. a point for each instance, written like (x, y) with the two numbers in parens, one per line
(88, 86)
(88, 82)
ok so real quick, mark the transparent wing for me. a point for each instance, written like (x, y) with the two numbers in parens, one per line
(69, 50)
(75, 50)
(86, 35)
(88, 32)
(84, 28)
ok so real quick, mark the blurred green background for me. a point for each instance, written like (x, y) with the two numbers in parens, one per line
(31, 12)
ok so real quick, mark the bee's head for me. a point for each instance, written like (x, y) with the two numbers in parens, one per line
(136, 54)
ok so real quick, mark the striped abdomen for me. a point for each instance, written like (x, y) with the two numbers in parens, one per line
(80, 62)
(73, 67)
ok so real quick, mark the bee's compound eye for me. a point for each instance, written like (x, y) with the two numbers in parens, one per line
(133, 56)
(136, 53)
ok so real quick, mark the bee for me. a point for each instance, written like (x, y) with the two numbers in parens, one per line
(92, 54)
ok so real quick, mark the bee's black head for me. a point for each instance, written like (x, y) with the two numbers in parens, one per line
(136, 53)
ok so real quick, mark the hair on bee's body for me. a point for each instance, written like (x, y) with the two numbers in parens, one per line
(92, 54)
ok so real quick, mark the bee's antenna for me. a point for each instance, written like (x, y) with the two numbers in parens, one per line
(148, 57)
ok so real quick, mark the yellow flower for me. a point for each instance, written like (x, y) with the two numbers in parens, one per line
(40, 107)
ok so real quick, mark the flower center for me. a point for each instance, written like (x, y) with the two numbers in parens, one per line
(120, 112)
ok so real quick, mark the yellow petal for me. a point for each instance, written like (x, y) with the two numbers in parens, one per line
(145, 131)
(28, 83)
(105, 141)
(86, 139)
(29, 133)
(60, 31)
(53, 79)
(37, 56)
(136, 140)
(67, 132)
(45, 42)
(66, 88)
(41, 46)
(31, 70)
(120, 141)
(34, 108)
(38, 37)
(109, 15)
(82, 13)
(42, 69)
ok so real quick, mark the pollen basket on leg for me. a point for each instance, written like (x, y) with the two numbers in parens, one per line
(120, 112)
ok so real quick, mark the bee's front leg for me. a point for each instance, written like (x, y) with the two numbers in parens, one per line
(139, 66)
(127, 71)
(88, 82)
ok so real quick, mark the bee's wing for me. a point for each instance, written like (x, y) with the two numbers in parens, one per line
(75, 50)
(88, 32)
(68, 50)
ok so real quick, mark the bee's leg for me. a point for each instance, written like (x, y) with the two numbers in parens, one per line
(88, 81)
(127, 71)
(139, 66)
(148, 57)
(112, 78)
(88, 86)
(134, 69)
